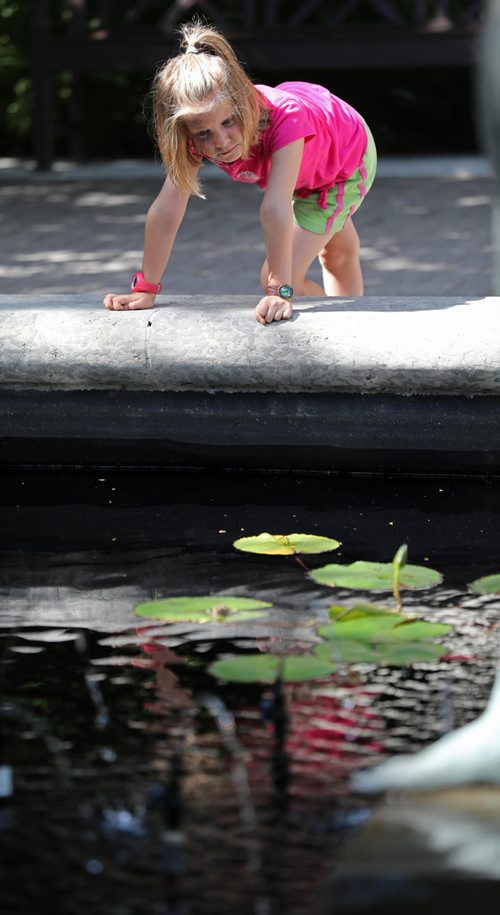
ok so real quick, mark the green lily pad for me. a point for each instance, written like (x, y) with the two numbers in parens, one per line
(360, 611)
(369, 628)
(417, 630)
(398, 654)
(374, 576)
(488, 584)
(384, 629)
(286, 544)
(266, 668)
(208, 609)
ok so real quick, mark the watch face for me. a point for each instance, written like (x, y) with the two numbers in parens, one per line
(285, 291)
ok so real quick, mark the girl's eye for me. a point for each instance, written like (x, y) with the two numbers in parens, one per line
(228, 122)
(203, 135)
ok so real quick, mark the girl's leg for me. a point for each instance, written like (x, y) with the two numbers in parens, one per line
(305, 247)
(340, 263)
(339, 258)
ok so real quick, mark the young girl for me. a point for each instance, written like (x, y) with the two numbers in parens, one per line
(298, 142)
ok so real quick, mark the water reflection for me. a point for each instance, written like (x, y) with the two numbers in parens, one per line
(129, 794)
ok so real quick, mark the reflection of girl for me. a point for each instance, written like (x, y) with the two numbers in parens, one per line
(297, 141)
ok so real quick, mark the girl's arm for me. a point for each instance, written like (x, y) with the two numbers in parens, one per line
(162, 223)
(277, 224)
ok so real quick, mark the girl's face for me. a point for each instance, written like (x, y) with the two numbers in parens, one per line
(216, 133)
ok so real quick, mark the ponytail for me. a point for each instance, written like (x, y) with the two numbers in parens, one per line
(206, 73)
(198, 38)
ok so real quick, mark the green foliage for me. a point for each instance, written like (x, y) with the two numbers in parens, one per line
(488, 584)
(371, 635)
(359, 611)
(398, 563)
(364, 634)
(207, 609)
(410, 111)
(374, 576)
(266, 668)
(384, 629)
(15, 82)
(286, 544)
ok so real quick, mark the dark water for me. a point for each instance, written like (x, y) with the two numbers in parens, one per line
(131, 793)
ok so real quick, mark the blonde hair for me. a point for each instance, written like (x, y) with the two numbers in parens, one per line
(195, 81)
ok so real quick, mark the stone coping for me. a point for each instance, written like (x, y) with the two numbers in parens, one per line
(370, 345)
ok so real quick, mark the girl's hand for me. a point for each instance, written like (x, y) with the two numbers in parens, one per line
(129, 302)
(272, 308)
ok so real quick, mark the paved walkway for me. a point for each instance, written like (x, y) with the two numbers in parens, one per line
(425, 230)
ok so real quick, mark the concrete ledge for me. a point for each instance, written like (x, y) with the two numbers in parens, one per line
(198, 380)
(198, 343)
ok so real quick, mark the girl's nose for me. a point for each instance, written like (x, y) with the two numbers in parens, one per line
(221, 141)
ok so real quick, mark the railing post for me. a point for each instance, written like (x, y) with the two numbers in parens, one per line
(489, 110)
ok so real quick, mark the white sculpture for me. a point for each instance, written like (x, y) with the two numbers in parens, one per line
(469, 755)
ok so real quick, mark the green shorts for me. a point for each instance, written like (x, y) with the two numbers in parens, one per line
(326, 213)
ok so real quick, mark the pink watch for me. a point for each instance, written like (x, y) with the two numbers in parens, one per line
(138, 283)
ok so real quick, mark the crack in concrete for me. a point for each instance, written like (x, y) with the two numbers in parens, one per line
(147, 344)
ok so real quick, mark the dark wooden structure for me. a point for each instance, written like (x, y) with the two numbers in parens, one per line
(108, 35)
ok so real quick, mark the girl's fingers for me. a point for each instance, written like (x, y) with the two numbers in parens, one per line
(284, 312)
(266, 312)
(278, 313)
(116, 302)
(127, 302)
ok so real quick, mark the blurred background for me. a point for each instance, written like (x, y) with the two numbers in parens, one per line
(75, 74)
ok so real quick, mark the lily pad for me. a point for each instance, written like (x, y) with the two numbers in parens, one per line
(266, 668)
(398, 654)
(488, 584)
(286, 544)
(384, 629)
(374, 576)
(208, 609)
(360, 611)
(369, 628)
(417, 630)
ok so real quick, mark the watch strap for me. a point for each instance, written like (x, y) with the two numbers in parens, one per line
(139, 283)
(283, 290)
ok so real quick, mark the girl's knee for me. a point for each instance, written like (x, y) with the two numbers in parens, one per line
(342, 247)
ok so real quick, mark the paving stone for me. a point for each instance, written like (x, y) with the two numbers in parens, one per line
(419, 235)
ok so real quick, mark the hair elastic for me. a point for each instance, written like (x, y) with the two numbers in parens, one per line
(192, 50)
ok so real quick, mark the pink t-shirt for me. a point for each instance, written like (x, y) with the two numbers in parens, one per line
(334, 134)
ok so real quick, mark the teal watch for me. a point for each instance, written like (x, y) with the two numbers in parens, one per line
(283, 290)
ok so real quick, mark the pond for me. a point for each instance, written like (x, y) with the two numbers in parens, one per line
(145, 783)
